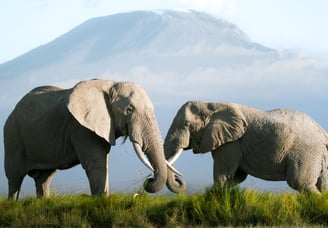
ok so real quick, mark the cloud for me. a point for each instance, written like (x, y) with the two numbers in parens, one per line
(285, 80)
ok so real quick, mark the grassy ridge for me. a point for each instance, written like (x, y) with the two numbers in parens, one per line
(216, 207)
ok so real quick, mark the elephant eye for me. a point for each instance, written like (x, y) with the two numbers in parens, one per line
(129, 110)
(187, 123)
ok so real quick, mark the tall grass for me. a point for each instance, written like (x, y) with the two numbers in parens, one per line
(215, 207)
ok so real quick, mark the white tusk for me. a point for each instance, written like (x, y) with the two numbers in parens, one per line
(173, 169)
(175, 157)
(141, 156)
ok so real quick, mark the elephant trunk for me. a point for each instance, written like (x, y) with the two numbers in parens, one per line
(174, 183)
(157, 160)
(149, 143)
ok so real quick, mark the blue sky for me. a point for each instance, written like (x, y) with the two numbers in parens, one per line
(293, 24)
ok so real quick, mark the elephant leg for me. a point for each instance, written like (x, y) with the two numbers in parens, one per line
(93, 153)
(42, 179)
(97, 173)
(14, 184)
(226, 162)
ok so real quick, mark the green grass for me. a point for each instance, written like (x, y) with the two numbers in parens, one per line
(215, 207)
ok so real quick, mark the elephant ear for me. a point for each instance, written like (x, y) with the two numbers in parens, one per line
(226, 124)
(88, 103)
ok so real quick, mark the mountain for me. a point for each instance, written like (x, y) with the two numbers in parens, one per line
(176, 56)
(146, 33)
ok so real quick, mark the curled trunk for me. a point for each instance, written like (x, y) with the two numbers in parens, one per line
(174, 183)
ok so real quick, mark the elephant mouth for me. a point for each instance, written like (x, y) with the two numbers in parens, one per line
(194, 146)
(126, 132)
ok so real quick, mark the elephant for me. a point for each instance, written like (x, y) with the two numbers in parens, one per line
(53, 129)
(276, 145)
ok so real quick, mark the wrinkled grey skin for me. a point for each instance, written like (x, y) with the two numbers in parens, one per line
(53, 128)
(272, 145)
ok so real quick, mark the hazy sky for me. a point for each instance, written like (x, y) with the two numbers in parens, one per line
(288, 24)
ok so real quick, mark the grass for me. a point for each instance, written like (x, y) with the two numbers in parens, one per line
(215, 207)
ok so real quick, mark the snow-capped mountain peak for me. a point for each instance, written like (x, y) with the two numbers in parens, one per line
(153, 32)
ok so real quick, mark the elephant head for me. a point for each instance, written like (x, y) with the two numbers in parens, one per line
(124, 109)
(202, 127)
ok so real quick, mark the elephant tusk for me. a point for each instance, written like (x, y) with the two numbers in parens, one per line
(173, 169)
(141, 156)
(175, 157)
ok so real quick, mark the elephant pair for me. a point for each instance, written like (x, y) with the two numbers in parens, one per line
(53, 128)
